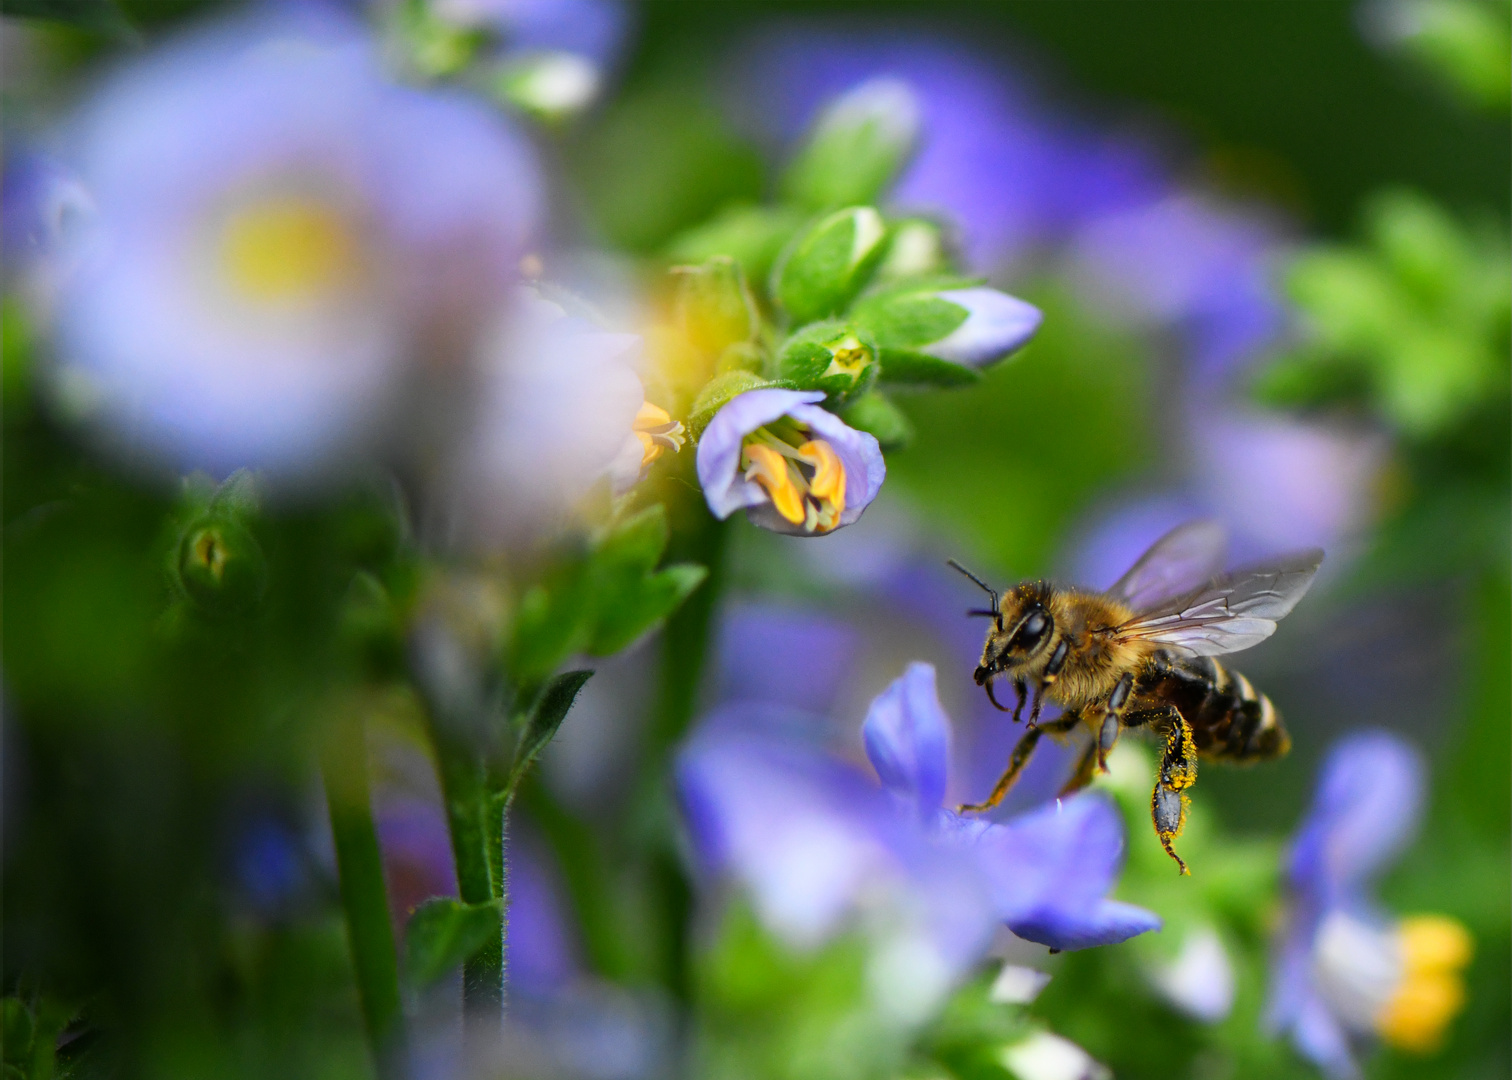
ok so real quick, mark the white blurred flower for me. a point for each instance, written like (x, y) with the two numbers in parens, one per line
(1043, 1056)
(1200, 981)
(279, 232)
(559, 409)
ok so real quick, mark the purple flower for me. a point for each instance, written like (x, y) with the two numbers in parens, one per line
(1344, 969)
(280, 232)
(786, 657)
(793, 467)
(815, 842)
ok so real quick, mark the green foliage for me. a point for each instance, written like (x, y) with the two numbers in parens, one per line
(1467, 44)
(751, 235)
(1413, 324)
(599, 599)
(538, 726)
(720, 391)
(444, 932)
(876, 414)
(825, 267)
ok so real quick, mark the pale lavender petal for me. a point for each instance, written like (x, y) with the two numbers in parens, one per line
(907, 737)
(724, 488)
(996, 325)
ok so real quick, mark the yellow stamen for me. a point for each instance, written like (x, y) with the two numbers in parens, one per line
(1434, 950)
(769, 469)
(657, 432)
(828, 483)
(288, 248)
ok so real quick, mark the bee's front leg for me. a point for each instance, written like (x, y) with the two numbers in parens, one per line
(1022, 751)
(1047, 680)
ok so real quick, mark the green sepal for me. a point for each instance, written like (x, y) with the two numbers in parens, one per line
(824, 268)
(633, 597)
(539, 724)
(443, 932)
(715, 309)
(910, 316)
(876, 414)
(718, 392)
(906, 367)
(836, 357)
(751, 235)
(744, 356)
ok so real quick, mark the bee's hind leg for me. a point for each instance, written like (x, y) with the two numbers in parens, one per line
(1178, 771)
(1022, 751)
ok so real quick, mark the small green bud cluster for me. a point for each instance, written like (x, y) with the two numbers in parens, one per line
(217, 565)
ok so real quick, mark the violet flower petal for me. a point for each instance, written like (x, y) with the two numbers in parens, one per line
(907, 738)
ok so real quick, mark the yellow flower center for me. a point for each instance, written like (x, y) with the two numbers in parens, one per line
(802, 476)
(849, 357)
(657, 432)
(1435, 950)
(287, 249)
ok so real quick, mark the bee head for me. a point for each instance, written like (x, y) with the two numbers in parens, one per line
(1022, 627)
(1022, 631)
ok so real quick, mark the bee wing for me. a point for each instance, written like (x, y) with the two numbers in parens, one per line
(1231, 612)
(1177, 563)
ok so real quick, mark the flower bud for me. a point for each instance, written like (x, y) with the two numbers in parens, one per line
(221, 567)
(858, 145)
(551, 86)
(917, 249)
(944, 333)
(714, 307)
(830, 356)
(825, 267)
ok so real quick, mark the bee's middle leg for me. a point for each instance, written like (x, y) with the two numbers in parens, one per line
(1113, 720)
(1022, 751)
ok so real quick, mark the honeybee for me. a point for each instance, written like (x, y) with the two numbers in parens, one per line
(1141, 656)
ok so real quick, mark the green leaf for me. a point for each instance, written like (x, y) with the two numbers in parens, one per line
(444, 932)
(875, 414)
(632, 599)
(915, 368)
(646, 606)
(825, 267)
(540, 724)
(101, 15)
(555, 618)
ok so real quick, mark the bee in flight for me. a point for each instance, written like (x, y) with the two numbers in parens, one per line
(1141, 656)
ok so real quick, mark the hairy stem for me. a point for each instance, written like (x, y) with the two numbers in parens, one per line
(476, 824)
(364, 895)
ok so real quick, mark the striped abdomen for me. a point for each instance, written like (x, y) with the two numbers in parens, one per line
(1229, 718)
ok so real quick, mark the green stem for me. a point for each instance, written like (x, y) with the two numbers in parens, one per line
(364, 895)
(684, 651)
(478, 851)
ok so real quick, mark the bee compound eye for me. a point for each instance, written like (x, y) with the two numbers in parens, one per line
(1033, 630)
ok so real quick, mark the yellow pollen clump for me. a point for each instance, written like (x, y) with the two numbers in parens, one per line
(770, 469)
(657, 431)
(287, 248)
(1435, 949)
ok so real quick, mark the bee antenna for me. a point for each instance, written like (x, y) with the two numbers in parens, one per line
(988, 589)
